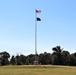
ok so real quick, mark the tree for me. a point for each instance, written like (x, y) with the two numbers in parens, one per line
(23, 59)
(17, 58)
(57, 56)
(41, 59)
(4, 58)
(30, 59)
(65, 55)
(72, 61)
(45, 58)
(12, 60)
(57, 49)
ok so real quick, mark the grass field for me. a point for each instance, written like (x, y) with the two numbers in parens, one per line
(37, 70)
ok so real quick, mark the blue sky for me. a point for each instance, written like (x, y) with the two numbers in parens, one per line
(17, 25)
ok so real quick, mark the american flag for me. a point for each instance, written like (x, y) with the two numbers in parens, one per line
(38, 11)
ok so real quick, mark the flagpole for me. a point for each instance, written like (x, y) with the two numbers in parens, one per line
(35, 35)
(36, 61)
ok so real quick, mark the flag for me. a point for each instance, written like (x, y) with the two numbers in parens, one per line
(38, 19)
(38, 11)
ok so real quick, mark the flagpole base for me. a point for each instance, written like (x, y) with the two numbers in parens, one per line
(35, 62)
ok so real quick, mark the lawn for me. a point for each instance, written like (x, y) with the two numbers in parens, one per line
(37, 70)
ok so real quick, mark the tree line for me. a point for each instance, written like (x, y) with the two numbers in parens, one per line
(59, 56)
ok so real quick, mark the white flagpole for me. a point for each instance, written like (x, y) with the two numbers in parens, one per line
(36, 61)
(35, 35)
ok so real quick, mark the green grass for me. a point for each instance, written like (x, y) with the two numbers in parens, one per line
(37, 70)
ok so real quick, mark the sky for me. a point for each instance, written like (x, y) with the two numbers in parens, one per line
(17, 26)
